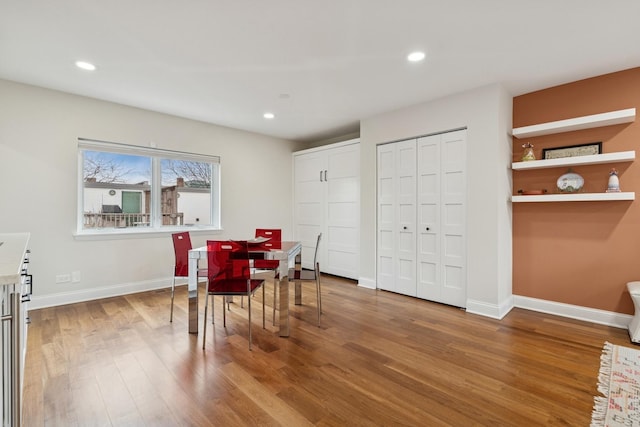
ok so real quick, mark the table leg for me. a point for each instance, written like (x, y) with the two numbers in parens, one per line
(298, 285)
(283, 290)
(193, 295)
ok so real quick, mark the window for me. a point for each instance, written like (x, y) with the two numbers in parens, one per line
(124, 188)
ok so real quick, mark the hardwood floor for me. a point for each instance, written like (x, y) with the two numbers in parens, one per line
(378, 359)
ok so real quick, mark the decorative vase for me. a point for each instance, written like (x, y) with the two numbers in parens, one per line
(614, 182)
(528, 155)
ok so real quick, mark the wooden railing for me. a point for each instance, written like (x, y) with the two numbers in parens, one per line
(123, 220)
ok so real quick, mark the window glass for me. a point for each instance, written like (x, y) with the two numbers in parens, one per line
(186, 192)
(139, 188)
(116, 190)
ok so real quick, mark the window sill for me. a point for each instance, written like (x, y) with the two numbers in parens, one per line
(140, 233)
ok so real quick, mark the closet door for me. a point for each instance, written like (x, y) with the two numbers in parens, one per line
(386, 217)
(454, 218)
(309, 202)
(397, 217)
(442, 218)
(429, 211)
(342, 237)
(406, 214)
(327, 201)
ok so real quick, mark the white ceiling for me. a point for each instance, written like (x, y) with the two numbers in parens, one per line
(319, 65)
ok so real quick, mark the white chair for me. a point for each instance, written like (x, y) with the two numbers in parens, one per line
(310, 276)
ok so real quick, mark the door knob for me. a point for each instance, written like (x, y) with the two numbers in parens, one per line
(427, 228)
(404, 228)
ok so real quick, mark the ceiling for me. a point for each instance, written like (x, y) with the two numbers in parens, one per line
(319, 65)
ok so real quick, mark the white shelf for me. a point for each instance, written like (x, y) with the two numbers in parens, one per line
(578, 123)
(593, 159)
(575, 197)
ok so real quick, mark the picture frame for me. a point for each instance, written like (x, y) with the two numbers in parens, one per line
(572, 150)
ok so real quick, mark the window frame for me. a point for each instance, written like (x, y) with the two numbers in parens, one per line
(156, 156)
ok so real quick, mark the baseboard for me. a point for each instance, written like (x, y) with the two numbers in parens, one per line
(587, 314)
(481, 308)
(63, 298)
(364, 282)
(489, 310)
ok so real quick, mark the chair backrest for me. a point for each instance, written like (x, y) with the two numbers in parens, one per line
(181, 248)
(227, 259)
(315, 256)
(274, 235)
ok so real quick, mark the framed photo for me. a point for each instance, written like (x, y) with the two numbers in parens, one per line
(572, 151)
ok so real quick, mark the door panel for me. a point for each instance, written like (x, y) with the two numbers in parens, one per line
(343, 211)
(386, 218)
(406, 214)
(454, 290)
(327, 200)
(429, 214)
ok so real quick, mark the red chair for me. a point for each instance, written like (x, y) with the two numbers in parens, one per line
(275, 240)
(229, 275)
(181, 248)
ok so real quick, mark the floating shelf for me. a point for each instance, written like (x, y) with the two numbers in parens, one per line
(575, 197)
(592, 159)
(578, 123)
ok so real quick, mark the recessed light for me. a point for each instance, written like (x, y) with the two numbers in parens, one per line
(85, 65)
(269, 116)
(416, 56)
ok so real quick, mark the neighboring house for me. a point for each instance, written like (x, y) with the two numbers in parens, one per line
(124, 205)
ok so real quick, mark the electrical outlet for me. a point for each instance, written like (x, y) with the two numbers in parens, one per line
(75, 276)
(63, 278)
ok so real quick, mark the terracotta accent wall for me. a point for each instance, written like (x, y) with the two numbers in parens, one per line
(579, 253)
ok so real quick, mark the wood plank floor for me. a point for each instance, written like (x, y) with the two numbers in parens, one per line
(378, 359)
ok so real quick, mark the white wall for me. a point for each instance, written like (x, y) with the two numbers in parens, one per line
(486, 113)
(39, 129)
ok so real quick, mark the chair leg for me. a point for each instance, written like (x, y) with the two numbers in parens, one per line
(213, 311)
(263, 314)
(224, 312)
(204, 332)
(173, 291)
(319, 292)
(319, 287)
(276, 279)
(249, 305)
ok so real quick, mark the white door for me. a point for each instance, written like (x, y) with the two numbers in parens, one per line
(327, 201)
(454, 218)
(442, 218)
(342, 236)
(406, 214)
(397, 217)
(309, 206)
(429, 218)
(386, 217)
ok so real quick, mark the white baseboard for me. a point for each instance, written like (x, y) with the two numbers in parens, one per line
(577, 312)
(490, 310)
(494, 311)
(96, 293)
(365, 282)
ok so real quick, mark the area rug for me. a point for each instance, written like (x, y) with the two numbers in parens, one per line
(619, 382)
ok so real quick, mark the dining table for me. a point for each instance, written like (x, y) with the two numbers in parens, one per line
(287, 253)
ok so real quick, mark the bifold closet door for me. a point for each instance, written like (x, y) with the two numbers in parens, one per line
(442, 218)
(397, 217)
